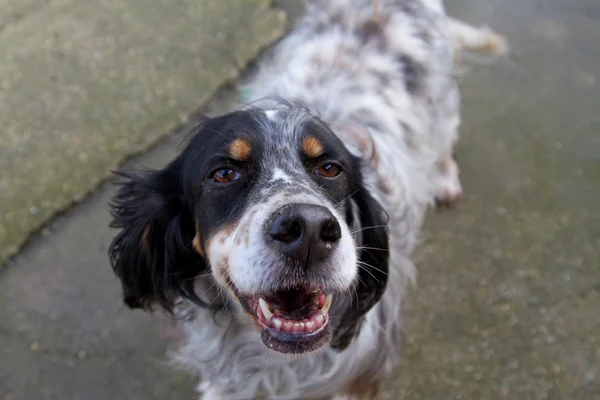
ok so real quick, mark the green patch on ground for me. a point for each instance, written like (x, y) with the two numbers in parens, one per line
(83, 84)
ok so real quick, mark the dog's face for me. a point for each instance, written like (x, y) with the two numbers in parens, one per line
(273, 224)
(272, 204)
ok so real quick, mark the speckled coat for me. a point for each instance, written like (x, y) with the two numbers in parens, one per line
(380, 74)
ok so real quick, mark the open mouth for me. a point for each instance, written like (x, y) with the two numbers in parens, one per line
(293, 320)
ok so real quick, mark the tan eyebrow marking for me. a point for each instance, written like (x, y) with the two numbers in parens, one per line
(312, 147)
(240, 149)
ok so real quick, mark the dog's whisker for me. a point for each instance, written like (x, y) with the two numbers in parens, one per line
(355, 289)
(364, 264)
(367, 228)
(309, 188)
(199, 276)
(218, 295)
(368, 272)
(371, 248)
(345, 198)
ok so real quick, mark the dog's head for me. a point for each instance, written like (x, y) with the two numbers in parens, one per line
(273, 206)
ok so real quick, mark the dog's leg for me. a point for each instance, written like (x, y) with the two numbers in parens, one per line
(445, 173)
(211, 393)
(447, 182)
(470, 39)
(362, 388)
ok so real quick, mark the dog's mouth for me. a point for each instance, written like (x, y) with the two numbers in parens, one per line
(292, 320)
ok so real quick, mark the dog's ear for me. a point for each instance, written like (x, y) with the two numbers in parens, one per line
(373, 242)
(153, 253)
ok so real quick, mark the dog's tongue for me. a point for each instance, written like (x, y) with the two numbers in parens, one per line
(294, 301)
(311, 317)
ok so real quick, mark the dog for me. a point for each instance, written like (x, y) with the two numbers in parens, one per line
(282, 233)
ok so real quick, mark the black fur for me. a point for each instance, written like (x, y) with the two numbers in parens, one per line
(160, 212)
(373, 268)
(157, 212)
(153, 254)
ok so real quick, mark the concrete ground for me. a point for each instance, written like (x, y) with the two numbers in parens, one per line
(507, 304)
(84, 84)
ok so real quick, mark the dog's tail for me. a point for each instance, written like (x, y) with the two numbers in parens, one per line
(466, 39)
(470, 40)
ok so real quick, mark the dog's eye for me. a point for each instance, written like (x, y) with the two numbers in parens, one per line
(225, 175)
(329, 170)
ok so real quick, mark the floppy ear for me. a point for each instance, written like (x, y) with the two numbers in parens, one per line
(373, 268)
(153, 253)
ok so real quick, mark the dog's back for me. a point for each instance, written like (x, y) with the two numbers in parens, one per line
(381, 73)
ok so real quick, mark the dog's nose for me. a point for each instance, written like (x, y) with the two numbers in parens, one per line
(304, 232)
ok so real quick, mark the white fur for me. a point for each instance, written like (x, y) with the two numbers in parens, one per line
(248, 261)
(279, 174)
(271, 114)
(401, 134)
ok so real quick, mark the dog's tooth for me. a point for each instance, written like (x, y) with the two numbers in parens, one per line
(288, 325)
(327, 304)
(265, 309)
(277, 322)
(319, 319)
(310, 326)
(298, 327)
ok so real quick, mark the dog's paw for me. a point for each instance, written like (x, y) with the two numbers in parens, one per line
(209, 392)
(448, 189)
(345, 397)
(447, 198)
(212, 395)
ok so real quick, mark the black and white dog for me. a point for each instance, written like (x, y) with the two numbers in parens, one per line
(284, 230)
